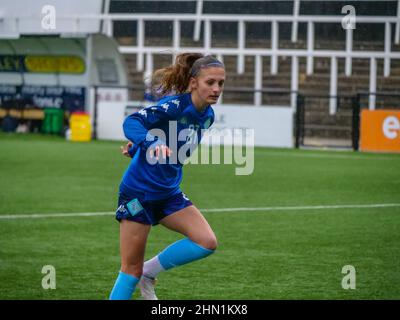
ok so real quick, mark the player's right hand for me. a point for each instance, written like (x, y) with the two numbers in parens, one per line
(125, 149)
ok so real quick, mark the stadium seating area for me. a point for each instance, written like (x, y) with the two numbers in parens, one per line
(137, 33)
(320, 124)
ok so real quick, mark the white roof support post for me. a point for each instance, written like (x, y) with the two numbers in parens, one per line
(207, 36)
(295, 24)
(220, 57)
(241, 42)
(108, 24)
(258, 81)
(372, 84)
(349, 48)
(397, 34)
(140, 44)
(310, 47)
(106, 10)
(274, 47)
(197, 23)
(149, 67)
(176, 38)
(388, 36)
(294, 85)
(90, 92)
(110, 27)
(333, 87)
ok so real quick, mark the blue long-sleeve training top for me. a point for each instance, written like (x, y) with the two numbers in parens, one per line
(181, 126)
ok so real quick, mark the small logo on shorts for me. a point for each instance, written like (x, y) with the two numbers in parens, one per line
(185, 197)
(121, 208)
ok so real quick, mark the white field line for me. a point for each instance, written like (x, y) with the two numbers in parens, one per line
(294, 208)
(322, 156)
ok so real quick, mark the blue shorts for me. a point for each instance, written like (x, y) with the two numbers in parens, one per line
(149, 212)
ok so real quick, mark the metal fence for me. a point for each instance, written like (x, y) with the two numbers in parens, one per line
(349, 107)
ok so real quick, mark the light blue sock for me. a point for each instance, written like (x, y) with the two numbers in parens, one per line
(123, 287)
(182, 252)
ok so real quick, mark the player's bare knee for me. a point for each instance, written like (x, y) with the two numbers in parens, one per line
(212, 243)
(209, 242)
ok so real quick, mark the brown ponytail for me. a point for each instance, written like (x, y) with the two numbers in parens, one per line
(175, 78)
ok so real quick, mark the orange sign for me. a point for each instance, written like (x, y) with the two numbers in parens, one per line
(380, 130)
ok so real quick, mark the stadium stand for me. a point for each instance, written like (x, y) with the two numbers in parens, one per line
(273, 51)
(322, 123)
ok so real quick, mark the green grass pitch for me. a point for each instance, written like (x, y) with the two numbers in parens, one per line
(267, 254)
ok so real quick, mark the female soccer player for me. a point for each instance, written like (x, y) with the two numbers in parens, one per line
(149, 192)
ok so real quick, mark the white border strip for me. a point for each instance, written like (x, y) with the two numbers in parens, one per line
(95, 214)
(356, 206)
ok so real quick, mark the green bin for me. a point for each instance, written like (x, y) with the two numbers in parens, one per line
(53, 120)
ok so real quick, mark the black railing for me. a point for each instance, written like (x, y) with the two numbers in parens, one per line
(355, 129)
(300, 119)
(315, 126)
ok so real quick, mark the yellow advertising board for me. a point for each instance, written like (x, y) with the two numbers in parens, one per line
(42, 64)
(54, 64)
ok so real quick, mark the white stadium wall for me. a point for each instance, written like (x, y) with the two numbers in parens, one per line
(273, 126)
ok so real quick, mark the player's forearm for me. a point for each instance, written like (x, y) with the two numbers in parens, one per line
(135, 131)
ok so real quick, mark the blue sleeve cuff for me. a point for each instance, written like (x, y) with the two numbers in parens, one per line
(151, 141)
(132, 150)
